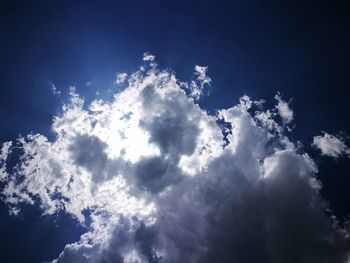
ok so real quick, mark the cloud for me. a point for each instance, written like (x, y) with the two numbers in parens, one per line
(4, 153)
(120, 78)
(331, 145)
(148, 57)
(54, 89)
(284, 110)
(198, 84)
(165, 181)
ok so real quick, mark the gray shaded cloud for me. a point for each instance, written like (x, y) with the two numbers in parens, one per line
(164, 184)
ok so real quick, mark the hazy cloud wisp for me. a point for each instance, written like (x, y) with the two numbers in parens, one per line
(331, 145)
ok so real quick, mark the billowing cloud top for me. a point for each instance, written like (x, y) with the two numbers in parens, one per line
(165, 181)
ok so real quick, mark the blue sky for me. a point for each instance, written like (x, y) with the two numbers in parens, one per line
(299, 49)
(254, 48)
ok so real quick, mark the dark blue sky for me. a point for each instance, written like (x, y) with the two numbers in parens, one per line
(251, 47)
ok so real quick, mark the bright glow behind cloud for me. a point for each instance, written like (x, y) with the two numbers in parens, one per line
(165, 182)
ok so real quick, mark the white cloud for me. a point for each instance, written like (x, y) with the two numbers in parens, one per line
(198, 85)
(165, 183)
(4, 153)
(331, 145)
(148, 57)
(284, 110)
(120, 78)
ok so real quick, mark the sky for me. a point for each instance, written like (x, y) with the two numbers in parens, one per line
(174, 131)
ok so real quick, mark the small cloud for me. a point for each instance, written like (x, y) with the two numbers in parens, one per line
(54, 89)
(284, 110)
(120, 78)
(201, 72)
(5, 150)
(72, 91)
(331, 145)
(89, 83)
(197, 86)
(148, 56)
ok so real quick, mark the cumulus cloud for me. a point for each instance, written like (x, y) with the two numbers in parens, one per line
(165, 181)
(121, 77)
(331, 145)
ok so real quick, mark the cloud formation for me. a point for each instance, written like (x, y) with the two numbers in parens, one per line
(54, 89)
(148, 57)
(331, 145)
(198, 85)
(285, 112)
(165, 181)
(121, 77)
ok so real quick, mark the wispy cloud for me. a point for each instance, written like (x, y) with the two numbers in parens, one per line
(54, 89)
(284, 110)
(201, 81)
(331, 145)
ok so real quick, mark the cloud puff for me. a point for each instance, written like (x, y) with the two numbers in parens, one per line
(331, 145)
(120, 78)
(198, 84)
(148, 57)
(284, 110)
(165, 181)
